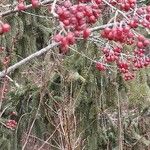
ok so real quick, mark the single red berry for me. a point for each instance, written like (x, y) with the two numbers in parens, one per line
(107, 30)
(141, 37)
(79, 15)
(86, 33)
(35, 3)
(70, 37)
(21, 6)
(146, 42)
(140, 45)
(5, 27)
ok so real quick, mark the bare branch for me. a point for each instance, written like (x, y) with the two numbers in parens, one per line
(27, 59)
(42, 51)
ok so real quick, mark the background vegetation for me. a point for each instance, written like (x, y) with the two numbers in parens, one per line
(61, 101)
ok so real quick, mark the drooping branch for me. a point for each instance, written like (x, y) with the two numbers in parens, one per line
(12, 11)
(42, 51)
(27, 59)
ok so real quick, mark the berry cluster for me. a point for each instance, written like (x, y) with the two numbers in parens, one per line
(126, 64)
(65, 41)
(111, 54)
(125, 69)
(11, 124)
(121, 34)
(69, 39)
(128, 76)
(140, 60)
(100, 66)
(123, 65)
(142, 42)
(124, 5)
(77, 17)
(143, 16)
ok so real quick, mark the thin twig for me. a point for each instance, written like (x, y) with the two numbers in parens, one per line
(46, 141)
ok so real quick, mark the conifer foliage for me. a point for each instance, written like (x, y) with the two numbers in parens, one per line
(75, 74)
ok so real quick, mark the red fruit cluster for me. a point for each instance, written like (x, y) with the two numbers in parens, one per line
(119, 34)
(76, 18)
(100, 66)
(11, 124)
(69, 39)
(125, 69)
(123, 65)
(111, 55)
(124, 5)
(4, 28)
(65, 41)
(140, 60)
(128, 76)
(142, 42)
(126, 66)
(143, 16)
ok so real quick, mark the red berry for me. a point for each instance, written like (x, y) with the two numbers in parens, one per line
(35, 3)
(79, 15)
(133, 24)
(58, 38)
(21, 6)
(86, 33)
(140, 45)
(141, 37)
(148, 9)
(67, 4)
(107, 30)
(146, 42)
(5, 27)
(70, 37)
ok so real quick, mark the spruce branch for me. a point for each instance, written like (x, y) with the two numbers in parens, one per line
(15, 10)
